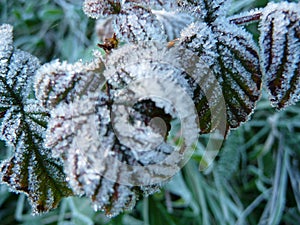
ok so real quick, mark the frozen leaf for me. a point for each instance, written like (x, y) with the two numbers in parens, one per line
(80, 132)
(136, 23)
(59, 81)
(97, 8)
(232, 56)
(207, 10)
(31, 169)
(173, 22)
(114, 145)
(16, 70)
(280, 47)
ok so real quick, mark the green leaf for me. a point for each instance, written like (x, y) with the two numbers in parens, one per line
(280, 47)
(234, 77)
(31, 169)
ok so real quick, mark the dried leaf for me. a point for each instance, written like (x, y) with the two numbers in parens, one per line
(280, 47)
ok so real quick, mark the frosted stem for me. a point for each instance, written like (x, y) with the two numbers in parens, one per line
(246, 19)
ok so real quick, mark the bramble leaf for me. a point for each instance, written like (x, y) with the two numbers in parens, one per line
(113, 145)
(232, 56)
(31, 169)
(206, 10)
(280, 52)
(173, 22)
(136, 23)
(57, 82)
(79, 132)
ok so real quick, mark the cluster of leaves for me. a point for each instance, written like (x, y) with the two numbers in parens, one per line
(242, 184)
(72, 94)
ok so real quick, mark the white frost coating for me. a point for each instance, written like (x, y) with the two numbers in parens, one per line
(16, 69)
(205, 9)
(173, 22)
(10, 126)
(97, 8)
(105, 164)
(280, 47)
(59, 81)
(168, 5)
(230, 52)
(21, 70)
(135, 24)
(199, 38)
(6, 47)
(86, 155)
(23, 127)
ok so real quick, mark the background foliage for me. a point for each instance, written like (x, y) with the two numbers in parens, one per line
(255, 179)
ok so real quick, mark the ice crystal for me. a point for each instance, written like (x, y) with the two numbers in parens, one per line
(97, 8)
(280, 46)
(31, 169)
(246, 18)
(136, 23)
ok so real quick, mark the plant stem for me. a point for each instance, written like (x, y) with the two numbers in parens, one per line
(246, 19)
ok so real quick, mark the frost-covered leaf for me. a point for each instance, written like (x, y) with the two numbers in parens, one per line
(80, 133)
(136, 23)
(16, 70)
(97, 8)
(114, 145)
(59, 81)
(207, 10)
(31, 169)
(280, 47)
(232, 56)
(173, 22)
